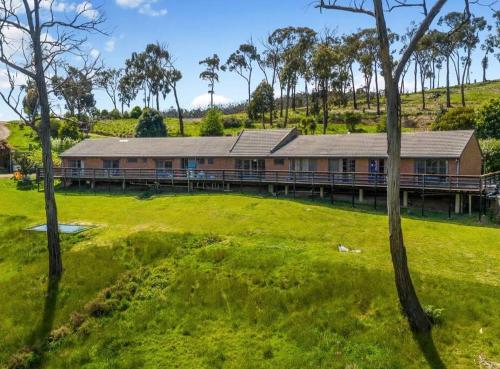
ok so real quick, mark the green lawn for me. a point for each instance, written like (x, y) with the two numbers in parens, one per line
(234, 281)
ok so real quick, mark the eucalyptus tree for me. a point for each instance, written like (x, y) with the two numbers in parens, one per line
(270, 60)
(75, 87)
(392, 72)
(127, 90)
(351, 46)
(46, 39)
(470, 31)
(262, 101)
(109, 81)
(211, 74)
(241, 62)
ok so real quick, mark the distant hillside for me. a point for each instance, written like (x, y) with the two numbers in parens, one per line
(414, 118)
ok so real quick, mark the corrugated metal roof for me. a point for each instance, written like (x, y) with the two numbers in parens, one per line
(153, 147)
(449, 144)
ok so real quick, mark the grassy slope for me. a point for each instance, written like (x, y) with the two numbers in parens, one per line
(21, 137)
(414, 116)
(244, 282)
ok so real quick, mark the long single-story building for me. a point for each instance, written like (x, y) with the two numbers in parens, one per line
(451, 153)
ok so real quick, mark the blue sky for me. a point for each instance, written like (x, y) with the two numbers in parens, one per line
(195, 29)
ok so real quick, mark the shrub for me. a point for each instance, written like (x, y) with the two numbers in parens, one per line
(24, 359)
(351, 119)
(104, 114)
(249, 123)
(151, 124)
(115, 114)
(454, 119)
(488, 120)
(491, 152)
(126, 115)
(69, 130)
(382, 124)
(212, 123)
(76, 320)
(434, 314)
(99, 307)
(136, 112)
(59, 333)
(232, 122)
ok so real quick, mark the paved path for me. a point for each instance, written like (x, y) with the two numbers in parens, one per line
(4, 131)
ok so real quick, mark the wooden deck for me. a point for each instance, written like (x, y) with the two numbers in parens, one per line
(359, 180)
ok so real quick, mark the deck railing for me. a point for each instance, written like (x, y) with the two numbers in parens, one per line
(455, 183)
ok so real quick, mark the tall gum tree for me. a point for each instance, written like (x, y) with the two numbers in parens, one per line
(392, 72)
(44, 38)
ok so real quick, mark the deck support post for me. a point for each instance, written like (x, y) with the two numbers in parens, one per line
(458, 201)
(405, 199)
(286, 190)
(270, 188)
(124, 185)
(229, 186)
(322, 192)
(361, 195)
(470, 204)
(92, 185)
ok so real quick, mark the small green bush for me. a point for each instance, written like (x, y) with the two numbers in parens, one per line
(488, 120)
(126, 115)
(98, 307)
(382, 124)
(249, 123)
(136, 112)
(434, 314)
(69, 130)
(212, 123)
(352, 119)
(104, 114)
(151, 124)
(24, 359)
(491, 152)
(115, 114)
(232, 122)
(455, 119)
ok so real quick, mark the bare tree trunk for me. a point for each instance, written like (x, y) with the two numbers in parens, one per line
(376, 89)
(307, 97)
(179, 111)
(448, 95)
(325, 106)
(281, 100)
(287, 103)
(157, 102)
(415, 75)
(353, 88)
(407, 296)
(53, 243)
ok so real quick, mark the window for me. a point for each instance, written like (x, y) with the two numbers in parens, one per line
(251, 164)
(201, 161)
(210, 161)
(305, 165)
(76, 164)
(111, 164)
(132, 160)
(144, 160)
(348, 165)
(431, 166)
(333, 165)
(279, 161)
(164, 164)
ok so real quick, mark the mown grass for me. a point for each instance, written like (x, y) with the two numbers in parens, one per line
(233, 281)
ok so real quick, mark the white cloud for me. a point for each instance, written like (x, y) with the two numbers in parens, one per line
(110, 45)
(203, 101)
(95, 53)
(143, 7)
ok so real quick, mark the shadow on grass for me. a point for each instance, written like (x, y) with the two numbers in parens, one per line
(431, 354)
(39, 337)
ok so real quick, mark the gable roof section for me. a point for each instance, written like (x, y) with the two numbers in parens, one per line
(449, 144)
(152, 147)
(255, 143)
